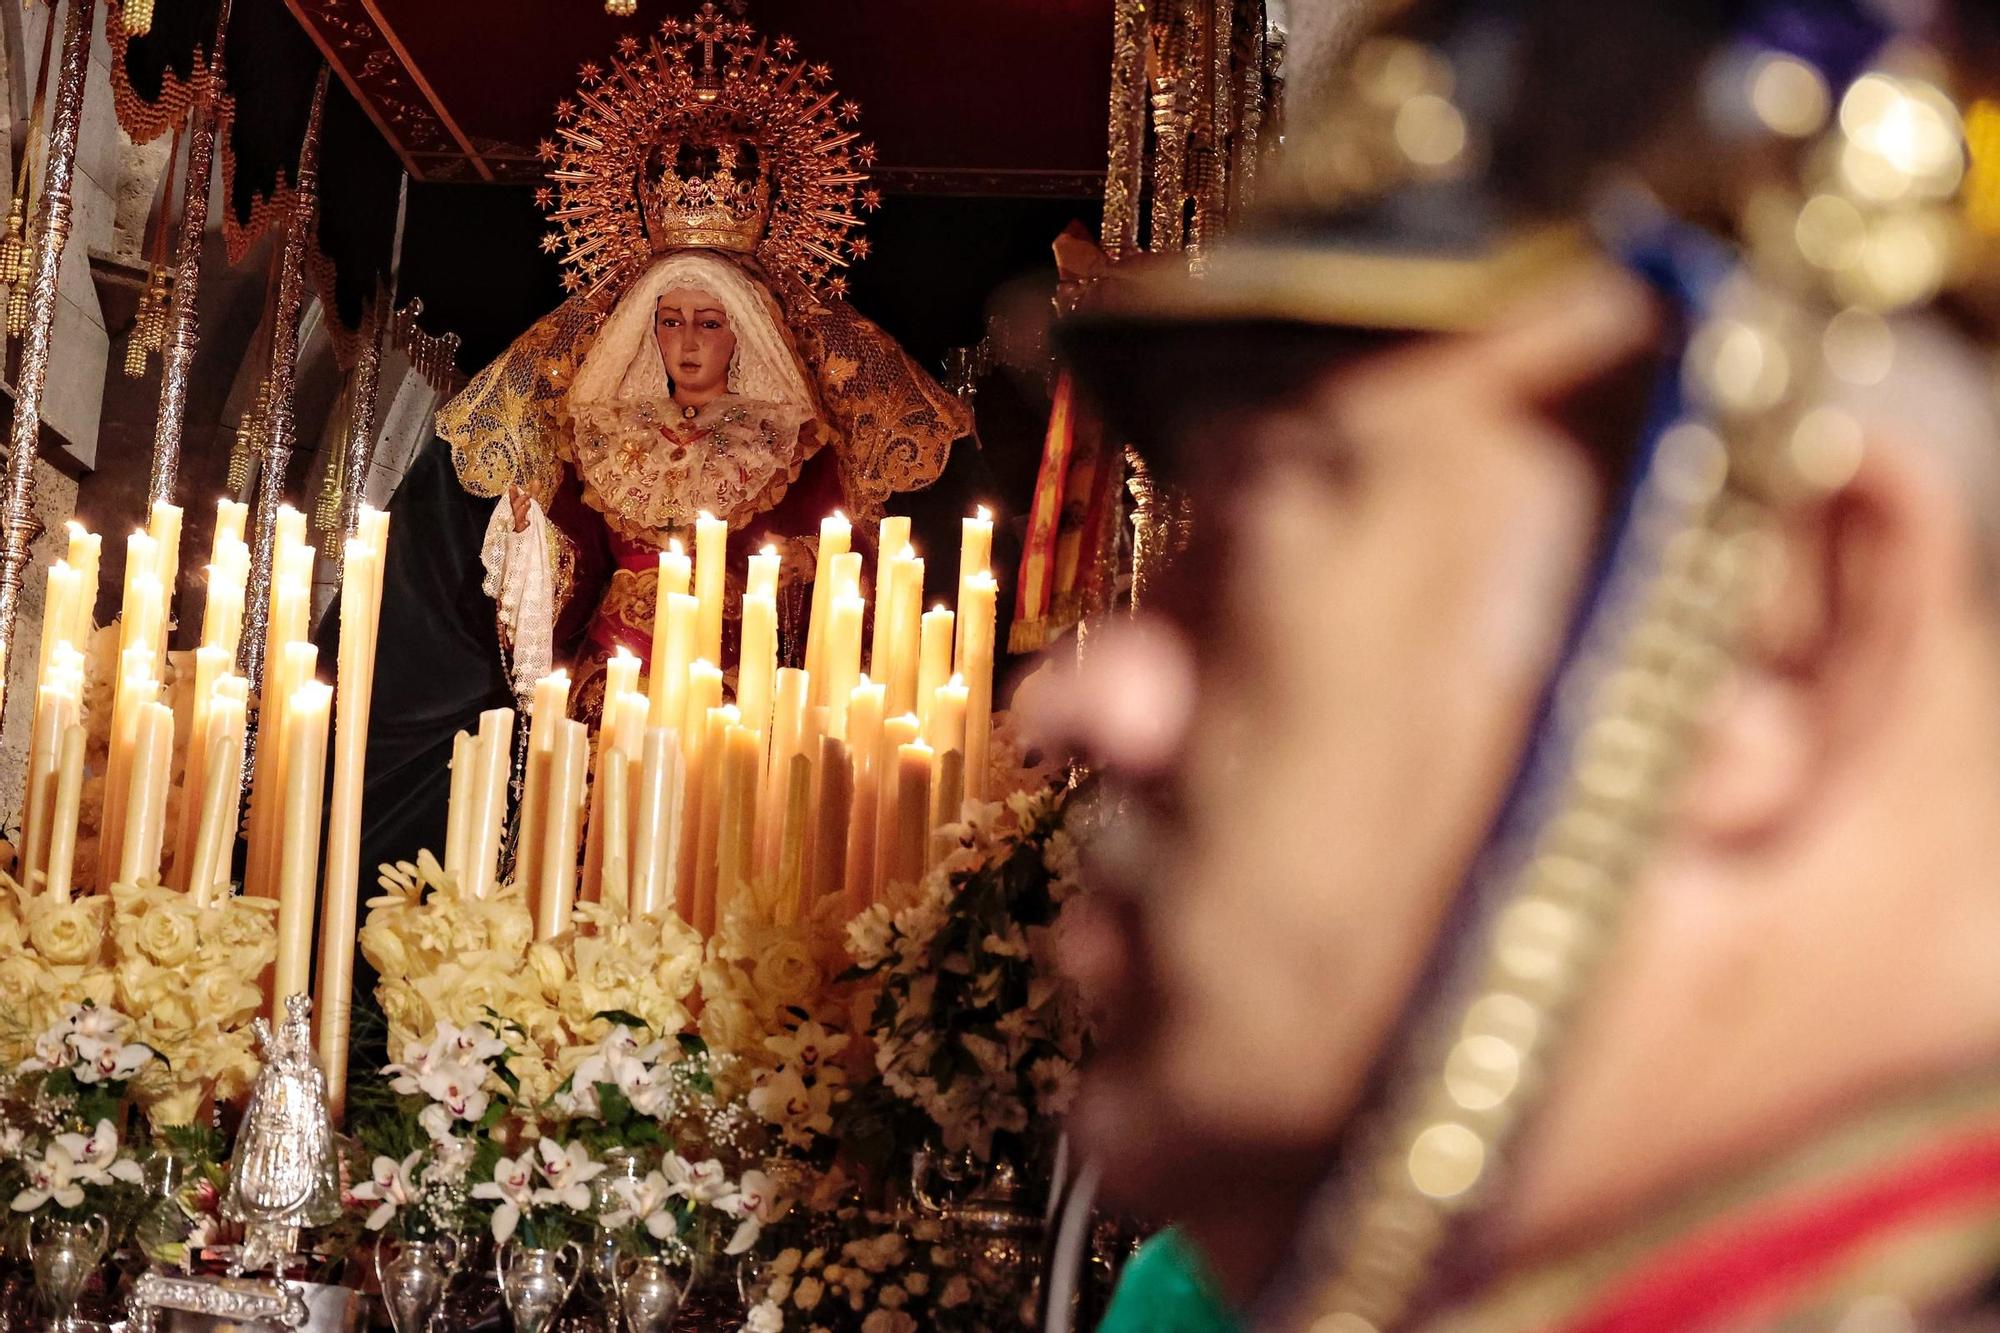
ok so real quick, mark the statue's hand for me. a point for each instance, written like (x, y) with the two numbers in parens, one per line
(517, 500)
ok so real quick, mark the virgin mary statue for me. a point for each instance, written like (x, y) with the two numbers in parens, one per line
(706, 194)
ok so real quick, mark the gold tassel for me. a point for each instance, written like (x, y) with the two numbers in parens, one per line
(621, 9)
(14, 247)
(138, 17)
(326, 511)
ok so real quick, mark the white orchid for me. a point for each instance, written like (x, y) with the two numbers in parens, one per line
(697, 1182)
(568, 1171)
(100, 1061)
(390, 1188)
(622, 1062)
(458, 1088)
(97, 1159)
(513, 1187)
(649, 1203)
(764, 1317)
(53, 1177)
(756, 1203)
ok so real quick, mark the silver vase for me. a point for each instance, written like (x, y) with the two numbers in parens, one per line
(414, 1282)
(650, 1293)
(533, 1284)
(64, 1255)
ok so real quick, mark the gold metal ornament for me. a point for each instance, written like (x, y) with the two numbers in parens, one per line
(138, 17)
(621, 9)
(279, 435)
(706, 135)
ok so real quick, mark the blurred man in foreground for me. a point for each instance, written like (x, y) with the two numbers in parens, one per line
(1558, 879)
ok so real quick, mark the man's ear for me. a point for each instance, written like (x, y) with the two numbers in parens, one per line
(1830, 651)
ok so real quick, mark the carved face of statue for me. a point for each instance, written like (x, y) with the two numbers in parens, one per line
(696, 344)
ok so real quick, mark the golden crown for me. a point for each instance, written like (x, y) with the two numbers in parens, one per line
(706, 136)
(706, 190)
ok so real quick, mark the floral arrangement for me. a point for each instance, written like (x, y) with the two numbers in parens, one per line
(860, 1274)
(973, 1026)
(65, 1114)
(703, 1100)
(190, 972)
(448, 957)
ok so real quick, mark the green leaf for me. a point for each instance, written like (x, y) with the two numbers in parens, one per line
(629, 1020)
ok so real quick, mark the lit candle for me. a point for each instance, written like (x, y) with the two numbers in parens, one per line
(56, 710)
(548, 705)
(788, 731)
(906, 609)
(207, 873)
(676, 572)
(909, 849)
(836, 536)
(933, 659)
(897, 732)
(69, 803)
(673, 654)
(762, 580)
(621, 677)
(847, 574)
(842, 662)
(458, 809)
(360, 606)
(975, 557)
(652, 831)
(570, 758)
(616, 782)
(864, 744)
(489, 798)
(230, 518)
(63, 588)
(834, 781)
(136, 686)
(164, 526)
(757, 663)
(211, 663)
(621, 673)
(893, 540)
(85, 550)
(146, 800)
(711, 552)
(305, 775)
(946, 728)
(975, 617)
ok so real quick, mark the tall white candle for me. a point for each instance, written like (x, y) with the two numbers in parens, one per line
(711, 554)
(305, 774)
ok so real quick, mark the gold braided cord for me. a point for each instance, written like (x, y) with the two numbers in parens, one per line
(658, 136)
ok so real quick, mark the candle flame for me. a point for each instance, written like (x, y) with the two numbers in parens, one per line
(985, 514)
(674, 546)
(769, 550)
(76, 528)
(622, 652)
(703, 516)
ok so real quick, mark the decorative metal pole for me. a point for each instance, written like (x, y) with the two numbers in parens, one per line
(17, 511)
(1124, 180)
(183, 320)
(359, 451)
(282, 433)
(1170, 136)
